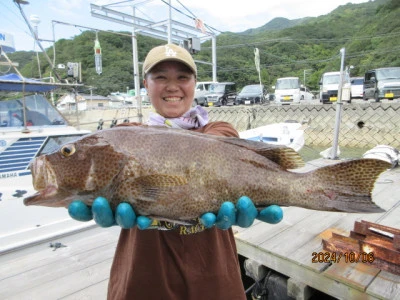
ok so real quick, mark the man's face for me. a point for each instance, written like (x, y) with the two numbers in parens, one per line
(170, 86)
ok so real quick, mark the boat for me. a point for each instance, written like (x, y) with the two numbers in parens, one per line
(290, 134)
(29, 126)
(384, 152)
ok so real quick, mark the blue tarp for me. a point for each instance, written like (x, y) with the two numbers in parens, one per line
(13, 82)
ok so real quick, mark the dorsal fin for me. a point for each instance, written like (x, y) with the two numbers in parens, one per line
(282, 155)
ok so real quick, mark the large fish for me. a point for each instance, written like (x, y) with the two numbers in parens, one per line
(177, 174)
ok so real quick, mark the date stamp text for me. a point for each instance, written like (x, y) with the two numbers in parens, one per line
(348, 257)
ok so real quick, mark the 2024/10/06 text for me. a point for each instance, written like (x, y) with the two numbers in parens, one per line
(348, 257)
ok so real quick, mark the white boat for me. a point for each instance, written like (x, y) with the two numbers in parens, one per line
(29, 126)
(290, 134)
(384, 152)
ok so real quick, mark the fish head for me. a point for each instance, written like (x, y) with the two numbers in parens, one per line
(77, 170)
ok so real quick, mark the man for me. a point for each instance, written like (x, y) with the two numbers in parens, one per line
(171, 261)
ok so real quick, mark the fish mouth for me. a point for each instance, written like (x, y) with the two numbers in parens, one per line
(42, 197)
(45, 183)
(43, 174)
(172, 99)
(51, 196)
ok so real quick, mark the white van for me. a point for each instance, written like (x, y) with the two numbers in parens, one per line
(287, 90)
(329, 86)
(202, 89)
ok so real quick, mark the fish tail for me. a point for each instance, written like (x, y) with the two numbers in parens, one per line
(347, 186)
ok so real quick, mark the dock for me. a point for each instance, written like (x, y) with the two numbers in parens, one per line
(290, 246)
(76, 265)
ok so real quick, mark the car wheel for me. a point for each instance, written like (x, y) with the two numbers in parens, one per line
(376, 96)
(365, 97)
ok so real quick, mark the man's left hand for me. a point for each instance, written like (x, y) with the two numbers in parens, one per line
(243, 214)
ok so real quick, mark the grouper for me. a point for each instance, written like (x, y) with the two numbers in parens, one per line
(178, 175)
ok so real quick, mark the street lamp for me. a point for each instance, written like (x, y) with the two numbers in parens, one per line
(35, 20)
(348, 68)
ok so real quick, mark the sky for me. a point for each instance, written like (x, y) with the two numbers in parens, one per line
(222, 15)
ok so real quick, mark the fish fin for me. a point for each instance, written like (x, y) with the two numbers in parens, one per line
(350, 184)
(284, 156)
(154, 187)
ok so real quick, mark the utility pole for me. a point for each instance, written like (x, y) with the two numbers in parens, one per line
(339, 104)
(304, 76)
(136, 77)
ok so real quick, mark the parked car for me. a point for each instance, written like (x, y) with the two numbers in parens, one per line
(329, 87)
(382, 83)
(252, 94)
(305, 94)
(357, 87)
(202, 89)
(221, 93)
(287, 90)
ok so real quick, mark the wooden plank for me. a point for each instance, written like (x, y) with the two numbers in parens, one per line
(85, 250)
(260, 232)
(356, 275)
(297, 237)
(386, 285)
(39, 276)
(66, 285)
(20, 261)
(96, 291)
(294, 270)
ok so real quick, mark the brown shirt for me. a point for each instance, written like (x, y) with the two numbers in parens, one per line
(177, 264)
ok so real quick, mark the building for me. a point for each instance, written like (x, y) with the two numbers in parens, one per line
(85, 102)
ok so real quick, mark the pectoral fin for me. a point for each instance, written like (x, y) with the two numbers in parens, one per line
(155, 187)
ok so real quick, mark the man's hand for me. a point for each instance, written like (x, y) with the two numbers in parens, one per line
(243, 214)
(103, 215)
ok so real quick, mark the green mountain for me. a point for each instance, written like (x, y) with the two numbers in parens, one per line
(277, 24)
(369, 32)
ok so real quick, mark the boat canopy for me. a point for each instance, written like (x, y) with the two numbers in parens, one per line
(14, 82)
(32, 110)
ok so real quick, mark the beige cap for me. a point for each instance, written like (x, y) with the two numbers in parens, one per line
(168, 52)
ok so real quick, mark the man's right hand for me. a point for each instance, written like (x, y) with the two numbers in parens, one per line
(103, 215)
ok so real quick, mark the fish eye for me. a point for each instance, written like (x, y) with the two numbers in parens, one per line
(67, 150)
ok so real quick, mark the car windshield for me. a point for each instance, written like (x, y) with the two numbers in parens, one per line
(392, 73)
(217, 88)
(284, 84)
(357, 81)
(331, 79)
(251, 89)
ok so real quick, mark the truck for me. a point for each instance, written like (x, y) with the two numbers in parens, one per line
(329, 87)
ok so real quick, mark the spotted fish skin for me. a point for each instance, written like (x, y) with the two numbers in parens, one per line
(179, 175)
